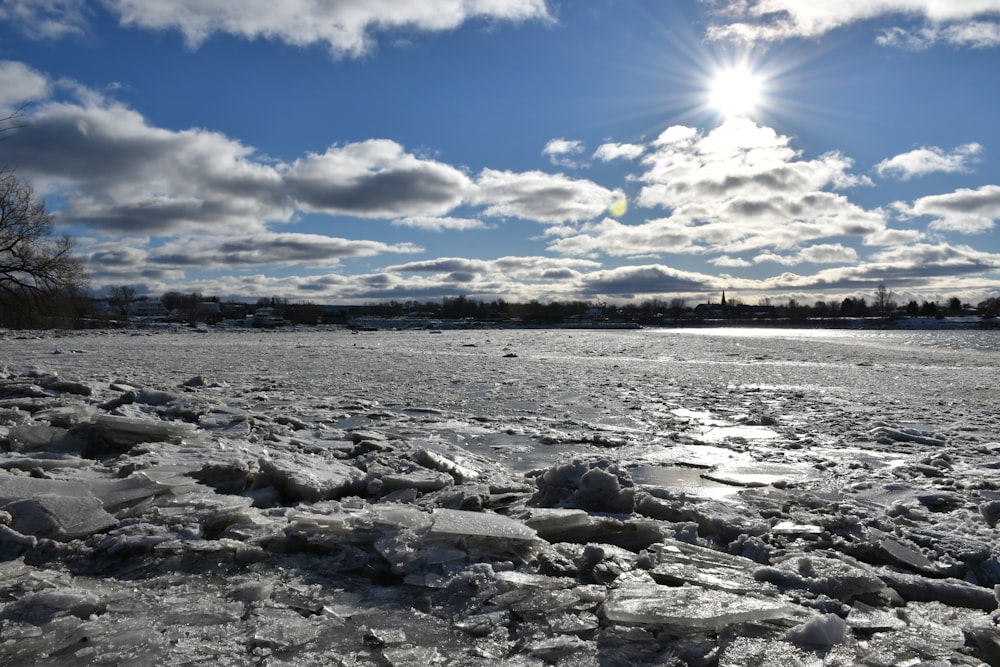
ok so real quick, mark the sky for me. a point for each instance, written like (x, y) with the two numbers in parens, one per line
(611, 151)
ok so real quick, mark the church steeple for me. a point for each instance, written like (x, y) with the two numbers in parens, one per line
(723, 298)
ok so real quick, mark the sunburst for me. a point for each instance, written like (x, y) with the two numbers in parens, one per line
(736, 91)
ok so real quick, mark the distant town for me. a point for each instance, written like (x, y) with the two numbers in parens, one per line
(124, 309)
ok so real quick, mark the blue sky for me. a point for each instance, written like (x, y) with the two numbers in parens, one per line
(602, 150)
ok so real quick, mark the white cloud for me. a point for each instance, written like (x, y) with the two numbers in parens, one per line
(118, 173)
(525, 267)
(374, 178)
(739, 187)
(235, 252)
(546, 198)
(347, 27)
(563, 152)
(440, 224)
(964, 210)
(828, 253)
(730, 262)
(928, 160)
(611, 151)
(20, 84)
(893, 237)
(637, 281)
(775, 20)
(46, 19)
(822, 253)
(972, 34)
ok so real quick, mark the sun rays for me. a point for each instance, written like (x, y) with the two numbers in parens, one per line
(736, 91)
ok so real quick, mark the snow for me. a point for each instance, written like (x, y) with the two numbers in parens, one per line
(605, 497)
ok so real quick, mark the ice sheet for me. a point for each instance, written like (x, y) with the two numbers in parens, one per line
(285, 497)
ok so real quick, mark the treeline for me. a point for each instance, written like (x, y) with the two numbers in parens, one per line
(661, 311)
(195, 307)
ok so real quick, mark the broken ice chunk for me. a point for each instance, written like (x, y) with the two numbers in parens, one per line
(419, 480)
(115, 493)
(128, 431)
(483, 624)
(437, 461)
(600, 486)
(825, 630)
(50, 439)
(567, 623)
(44, 605)
(480, 524)
(951, 592)
(401, 516)
(309, 478)
(679, 563)
(19, 487)
(900, 553)
(693, 609)
(553, 522)
(831, 574)
(990, 511)
(66, 416)
(873, 619)
(889, 433)
(59, 517)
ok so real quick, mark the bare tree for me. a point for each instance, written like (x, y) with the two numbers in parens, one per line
(884, 304)
(120, 298)
(36, 268)
(9, 123)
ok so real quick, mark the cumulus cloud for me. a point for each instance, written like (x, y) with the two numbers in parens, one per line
(347, 27)
(194, 199)
(635, 281)
(118, 173)
(928, 160)
(112, 262)
(739, 187)
(613, 238)
(509, 278)
(535, 195)
(564, 153)
(375, 178)
(19, 84)
(964, 210)
(914, 267)
(612, 151)
(922, 260)
(963, 23)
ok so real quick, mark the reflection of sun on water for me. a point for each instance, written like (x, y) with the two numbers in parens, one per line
(735, 91)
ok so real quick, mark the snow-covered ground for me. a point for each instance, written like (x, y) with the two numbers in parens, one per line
(500, 497)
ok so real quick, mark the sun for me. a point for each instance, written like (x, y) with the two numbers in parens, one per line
(736, 91)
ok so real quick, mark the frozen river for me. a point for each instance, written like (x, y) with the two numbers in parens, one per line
(702, 497)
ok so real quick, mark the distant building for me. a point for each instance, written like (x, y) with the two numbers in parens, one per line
(233, 311)
(146, 309)
(267, 318)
